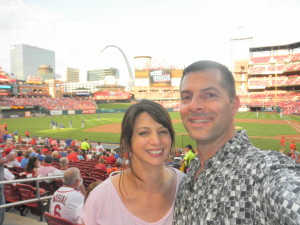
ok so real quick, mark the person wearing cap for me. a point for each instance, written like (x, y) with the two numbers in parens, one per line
(46, 167)
(189, 156)
(85, 147)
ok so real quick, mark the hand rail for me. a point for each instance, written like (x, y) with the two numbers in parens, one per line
(39, 198)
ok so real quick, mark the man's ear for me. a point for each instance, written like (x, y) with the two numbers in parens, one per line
(235, 104)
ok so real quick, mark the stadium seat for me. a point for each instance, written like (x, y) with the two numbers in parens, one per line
(55, 220)
(36, 208)
(12, 195)
(88, 180)
(98, 176)
(50, 187)
(58, 183)
(17, 169)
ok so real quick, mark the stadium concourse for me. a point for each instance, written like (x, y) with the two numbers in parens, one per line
(13, 218)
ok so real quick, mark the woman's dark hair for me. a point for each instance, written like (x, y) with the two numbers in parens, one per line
(31, 164)
(156, 111)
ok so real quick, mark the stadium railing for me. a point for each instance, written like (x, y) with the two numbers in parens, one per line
(39, 198)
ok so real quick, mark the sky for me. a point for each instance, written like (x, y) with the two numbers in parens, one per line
(172, 32)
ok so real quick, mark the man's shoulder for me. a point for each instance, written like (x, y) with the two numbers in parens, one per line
(265, 160)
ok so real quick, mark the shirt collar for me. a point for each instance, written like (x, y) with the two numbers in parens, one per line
(228, 151)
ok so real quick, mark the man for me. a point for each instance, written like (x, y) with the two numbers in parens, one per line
(293, 146)
(64, 165)
(282, 144)
(82, 124)
(189, 156)
(46, 167)
(70, 124)
(68, 142)
(72, 154)
(67, 198)
(99, 148)
(230, 180)
(3, 160)
(85, 147)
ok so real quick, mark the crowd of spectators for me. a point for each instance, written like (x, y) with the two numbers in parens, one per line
(51, 103)
(45, 160)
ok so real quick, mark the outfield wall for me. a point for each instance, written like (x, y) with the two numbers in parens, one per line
(72, 112)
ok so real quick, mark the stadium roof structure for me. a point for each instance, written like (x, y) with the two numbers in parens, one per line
(275, 47)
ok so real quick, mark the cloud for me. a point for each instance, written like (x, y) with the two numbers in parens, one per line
(175, 32)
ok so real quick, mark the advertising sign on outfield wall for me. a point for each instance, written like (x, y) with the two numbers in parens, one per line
(112, 95)
(91, 111)
(160, 78)
(56, 112)
(71, 112)
(27, 114)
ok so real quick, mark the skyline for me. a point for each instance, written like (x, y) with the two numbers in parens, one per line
(171, 32)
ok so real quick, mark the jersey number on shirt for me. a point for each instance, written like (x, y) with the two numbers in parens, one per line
(57, 208)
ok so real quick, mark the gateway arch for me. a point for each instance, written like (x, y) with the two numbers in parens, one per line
(131, 82)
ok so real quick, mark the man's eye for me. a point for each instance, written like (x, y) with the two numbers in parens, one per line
(185, 98)
(210, 95)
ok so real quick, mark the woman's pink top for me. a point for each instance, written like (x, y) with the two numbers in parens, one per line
(105, 207)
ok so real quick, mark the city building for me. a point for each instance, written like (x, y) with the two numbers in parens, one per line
(72, 75)
(100, 74)
(25, 60)
(81, 88)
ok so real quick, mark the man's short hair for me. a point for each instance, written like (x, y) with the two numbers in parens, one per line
(71, 175)
(227, 80)
(48, 159)
(64, 161)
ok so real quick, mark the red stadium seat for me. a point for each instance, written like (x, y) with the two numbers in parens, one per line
(36, 208)
(58, 183)
(55, 220)
(88, 180)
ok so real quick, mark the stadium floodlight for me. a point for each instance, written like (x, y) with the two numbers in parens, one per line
(272, 62)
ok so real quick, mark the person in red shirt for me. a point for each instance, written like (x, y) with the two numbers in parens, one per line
(115, 168)
(73, 156)
(19, 156)
(293, 146)
(27, 133)
(111, 159)
(45, 150)
(73, 143)
(32, 141)
(282, 143)
(101, 165)
(5, 126)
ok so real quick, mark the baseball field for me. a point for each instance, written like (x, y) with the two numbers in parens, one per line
(265, 130)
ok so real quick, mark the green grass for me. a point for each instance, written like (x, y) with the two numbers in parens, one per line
(39, 126)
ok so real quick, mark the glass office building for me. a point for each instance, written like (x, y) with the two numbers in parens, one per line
(25, 60)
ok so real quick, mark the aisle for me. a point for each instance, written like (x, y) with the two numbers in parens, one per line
(13, 218)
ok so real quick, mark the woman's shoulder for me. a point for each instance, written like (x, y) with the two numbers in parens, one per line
(179, 175)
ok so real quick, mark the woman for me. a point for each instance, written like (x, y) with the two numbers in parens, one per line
(31, 167)
(144, 193)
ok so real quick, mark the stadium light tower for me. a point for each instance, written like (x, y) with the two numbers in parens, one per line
(272, 62)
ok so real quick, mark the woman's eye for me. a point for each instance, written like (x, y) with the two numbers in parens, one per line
(143, 133)
(164, 132)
